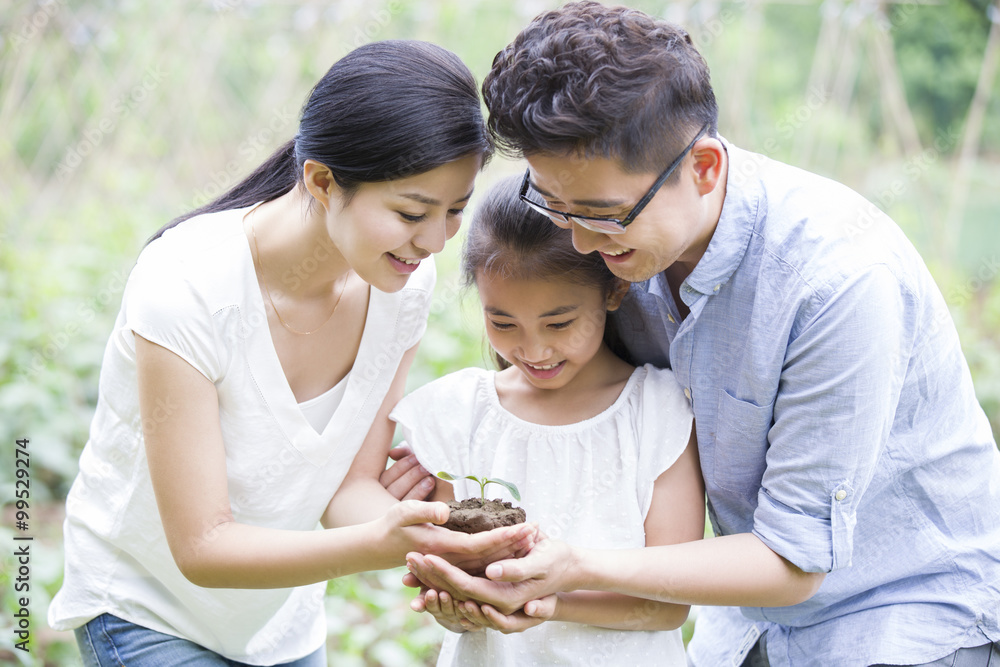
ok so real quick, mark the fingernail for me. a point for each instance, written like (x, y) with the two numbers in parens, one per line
(426, 483)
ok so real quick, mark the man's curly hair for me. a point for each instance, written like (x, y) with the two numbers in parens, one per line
(600, 81)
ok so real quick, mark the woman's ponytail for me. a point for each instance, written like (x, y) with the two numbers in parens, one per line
(273, 178)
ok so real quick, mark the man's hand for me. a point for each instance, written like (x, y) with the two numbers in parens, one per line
(406, 479)
(511, 583)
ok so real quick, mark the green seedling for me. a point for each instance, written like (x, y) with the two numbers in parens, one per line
(447, 476)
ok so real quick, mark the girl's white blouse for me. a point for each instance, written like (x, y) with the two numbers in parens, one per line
(589, 484)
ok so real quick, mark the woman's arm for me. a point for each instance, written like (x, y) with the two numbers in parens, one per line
(186, 455)
(361, 497)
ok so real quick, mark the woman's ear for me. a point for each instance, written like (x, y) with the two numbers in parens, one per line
(618, 293)
(320, 183)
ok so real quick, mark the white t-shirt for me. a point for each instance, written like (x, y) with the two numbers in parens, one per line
(589, 484)
(194, 291)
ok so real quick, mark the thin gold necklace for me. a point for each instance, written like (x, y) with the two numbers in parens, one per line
(263, 279)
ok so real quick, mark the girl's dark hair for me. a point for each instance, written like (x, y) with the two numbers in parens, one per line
(386, 110)
(600, 81)
(508, 239)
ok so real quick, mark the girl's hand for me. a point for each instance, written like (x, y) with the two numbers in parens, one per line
(444, 609)
(534, 613)
(406, 479)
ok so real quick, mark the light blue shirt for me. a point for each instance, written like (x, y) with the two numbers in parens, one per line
(836, 421)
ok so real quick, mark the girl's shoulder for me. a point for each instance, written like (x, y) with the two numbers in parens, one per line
(658, 390)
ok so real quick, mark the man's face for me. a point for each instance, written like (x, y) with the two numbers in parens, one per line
(676, 225)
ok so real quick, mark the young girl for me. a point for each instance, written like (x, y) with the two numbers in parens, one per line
(602, 452)
(260, 346)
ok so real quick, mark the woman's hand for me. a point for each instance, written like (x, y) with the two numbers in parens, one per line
(409, 527)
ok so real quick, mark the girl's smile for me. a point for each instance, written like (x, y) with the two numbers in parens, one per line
(551, 330)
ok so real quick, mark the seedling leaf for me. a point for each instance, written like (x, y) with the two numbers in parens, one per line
(482, 482)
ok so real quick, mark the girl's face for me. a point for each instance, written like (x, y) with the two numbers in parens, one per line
(549, 329)
(387, 228)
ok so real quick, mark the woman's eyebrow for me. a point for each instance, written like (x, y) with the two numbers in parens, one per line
(430, 201)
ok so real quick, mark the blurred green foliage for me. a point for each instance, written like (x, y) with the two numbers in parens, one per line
(121, 114)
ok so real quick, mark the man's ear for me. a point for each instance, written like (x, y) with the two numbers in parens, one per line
(708, 155)
(618, 293)
(320, 183)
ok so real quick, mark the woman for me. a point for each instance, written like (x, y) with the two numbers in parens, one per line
(261, 343)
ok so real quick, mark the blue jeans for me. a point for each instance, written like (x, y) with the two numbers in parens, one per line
(108, 641)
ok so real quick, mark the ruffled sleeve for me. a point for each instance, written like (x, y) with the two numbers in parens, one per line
(665, 422)
(437, 420)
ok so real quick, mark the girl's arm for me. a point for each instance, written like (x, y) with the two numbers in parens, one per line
(677, 514)
(187, 464)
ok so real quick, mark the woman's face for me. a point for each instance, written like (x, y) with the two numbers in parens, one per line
(387, 228)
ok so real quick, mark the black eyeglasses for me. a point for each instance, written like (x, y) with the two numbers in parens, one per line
(608, 225)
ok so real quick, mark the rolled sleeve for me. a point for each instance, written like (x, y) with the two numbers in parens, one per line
(832, 418)
(812, 543)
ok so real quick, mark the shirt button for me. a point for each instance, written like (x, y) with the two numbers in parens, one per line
(840, 495)
(670, 318)
(687, 392)
(716, 288)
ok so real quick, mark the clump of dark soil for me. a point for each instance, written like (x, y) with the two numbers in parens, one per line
(474, 515)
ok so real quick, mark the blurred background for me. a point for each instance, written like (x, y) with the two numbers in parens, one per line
(117, 116)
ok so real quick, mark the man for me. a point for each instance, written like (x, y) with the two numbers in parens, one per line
(852, 478)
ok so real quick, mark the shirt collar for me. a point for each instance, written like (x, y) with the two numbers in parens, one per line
(736, 223)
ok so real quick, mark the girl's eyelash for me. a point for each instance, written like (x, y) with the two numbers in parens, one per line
(456, 211)
(501, 326)
(412, 218)
(562, 325)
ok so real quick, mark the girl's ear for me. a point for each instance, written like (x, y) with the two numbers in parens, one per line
(320, 183)
(618, 293)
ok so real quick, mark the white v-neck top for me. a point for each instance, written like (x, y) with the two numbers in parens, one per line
(195, 292)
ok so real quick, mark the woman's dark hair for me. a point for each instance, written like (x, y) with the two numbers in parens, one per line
(600, 81)
(384, 111)
(512, 241)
